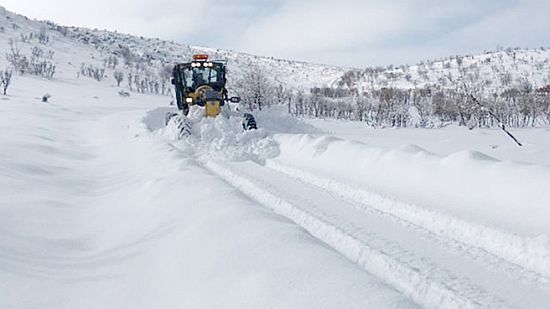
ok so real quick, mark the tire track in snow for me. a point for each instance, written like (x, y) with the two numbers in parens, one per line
(416, 277)
(504, 246)
(372, 206)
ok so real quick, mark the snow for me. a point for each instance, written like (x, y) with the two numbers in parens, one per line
(98, 211)
(409, 280)
(102, 207)
(512, 222)
(86, 46)
(492, 71)
(447, 140)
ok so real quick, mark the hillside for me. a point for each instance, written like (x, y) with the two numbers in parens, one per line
(489, 72)
(96, 49)
(512, 88)
(74, 47)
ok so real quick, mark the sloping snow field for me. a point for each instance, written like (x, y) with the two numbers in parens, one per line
(100, 207)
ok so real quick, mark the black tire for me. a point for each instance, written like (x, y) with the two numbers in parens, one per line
(181, 124)
(249, 122)
(168, 117)
(185, 109)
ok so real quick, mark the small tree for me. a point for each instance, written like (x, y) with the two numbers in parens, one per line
(5, 80)
(255, 88)
(119, 77)
(165, 73)
(43, 38)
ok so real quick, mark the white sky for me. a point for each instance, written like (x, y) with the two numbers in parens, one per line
(347, 32)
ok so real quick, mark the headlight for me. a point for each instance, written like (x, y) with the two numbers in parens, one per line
(189, 100)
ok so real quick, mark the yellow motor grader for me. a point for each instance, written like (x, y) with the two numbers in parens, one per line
(202, 82)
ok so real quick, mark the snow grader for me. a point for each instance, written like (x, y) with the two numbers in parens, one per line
(202, 83)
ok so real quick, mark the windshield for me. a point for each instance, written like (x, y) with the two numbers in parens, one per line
(194, 77)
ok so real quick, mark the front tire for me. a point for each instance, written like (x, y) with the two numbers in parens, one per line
(249, 122)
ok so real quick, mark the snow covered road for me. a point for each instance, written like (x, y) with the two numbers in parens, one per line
(435, 271)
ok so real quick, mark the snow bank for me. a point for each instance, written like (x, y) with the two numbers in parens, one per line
(467, 196)
(448, 140)
(277, 120)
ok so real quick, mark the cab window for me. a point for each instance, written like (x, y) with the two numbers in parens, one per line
(194, 77)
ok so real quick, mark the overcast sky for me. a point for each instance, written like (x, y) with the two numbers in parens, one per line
(354, 33)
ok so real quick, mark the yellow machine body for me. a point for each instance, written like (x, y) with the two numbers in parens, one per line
(212, 108)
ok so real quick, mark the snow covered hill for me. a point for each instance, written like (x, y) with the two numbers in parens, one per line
(509, 87)
(489, 72)
(74, 47)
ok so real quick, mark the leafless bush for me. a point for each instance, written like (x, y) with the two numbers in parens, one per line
(391, 107)
(43, 38)
(165, 74)
(145, 81)
(5, 80)
(127, 55)
(26, 38)
(255, 89)
(38, 63)
(111, 62)
(89, 70)
(19, 61)
(119, 77)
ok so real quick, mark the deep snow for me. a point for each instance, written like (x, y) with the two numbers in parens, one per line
(101, 207)
(97, 211)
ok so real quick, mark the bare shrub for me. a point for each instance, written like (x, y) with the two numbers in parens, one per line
(119, 77)
(89, 70)
(38, 63)
(5, 80)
